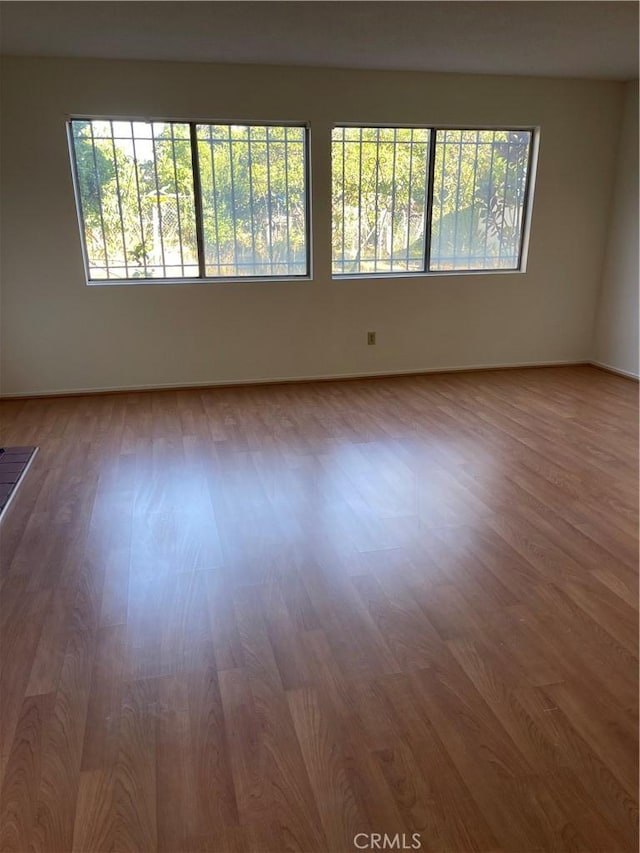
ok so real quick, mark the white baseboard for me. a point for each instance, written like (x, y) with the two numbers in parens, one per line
(628, 373)
(322, 377)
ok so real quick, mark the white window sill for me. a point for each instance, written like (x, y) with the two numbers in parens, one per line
(161, 282)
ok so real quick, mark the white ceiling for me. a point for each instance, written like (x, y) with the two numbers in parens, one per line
(563, 39)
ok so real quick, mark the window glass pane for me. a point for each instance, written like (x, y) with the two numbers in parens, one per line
(254, 199)
(135, 186)
(379, 188)
(478, 199)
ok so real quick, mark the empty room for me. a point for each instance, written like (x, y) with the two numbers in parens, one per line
(318, 427)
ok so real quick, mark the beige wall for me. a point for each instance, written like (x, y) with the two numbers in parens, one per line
(59, 334)
(616, 329)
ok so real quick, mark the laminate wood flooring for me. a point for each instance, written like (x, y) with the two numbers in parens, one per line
(283, 618)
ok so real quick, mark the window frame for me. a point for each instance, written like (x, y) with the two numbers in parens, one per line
(527, 204)
(197, 192)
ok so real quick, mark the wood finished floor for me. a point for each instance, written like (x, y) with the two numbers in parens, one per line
(271, 618)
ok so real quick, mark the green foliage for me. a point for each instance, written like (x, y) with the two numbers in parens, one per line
(136, 187)
(379, 198)
(139, 200)
(94, 172)
(139, 208)
(253, 192)
(479, 182)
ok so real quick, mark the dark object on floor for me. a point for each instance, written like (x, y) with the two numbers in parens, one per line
(14, 462)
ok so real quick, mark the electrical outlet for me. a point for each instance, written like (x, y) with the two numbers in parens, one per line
(371, 338)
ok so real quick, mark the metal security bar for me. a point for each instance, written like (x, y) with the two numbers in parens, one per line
(177, 200)
(479, 199)
(174, 200)
(379, 195)
(135, 192)
(254, 199)
(425, 200)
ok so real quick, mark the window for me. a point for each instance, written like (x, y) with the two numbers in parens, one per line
(379, 191)
(479, 193)
(425, 200)
(254, 205)
(174, 200)
(179, 200)
(136, 198)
